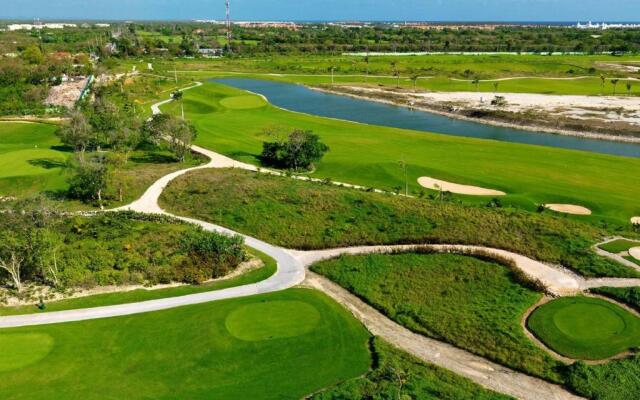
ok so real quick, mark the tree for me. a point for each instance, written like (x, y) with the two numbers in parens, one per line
(629, 86)
(299, 151)
(33, 55)
(602, 81)
(89, 181)
(77, 134)
(614, 82)
(366, 60)
(178, 96)
(495, 86)
(181, 134)
(477, 83)
(12, 253)
(394, 69)
(414, 79)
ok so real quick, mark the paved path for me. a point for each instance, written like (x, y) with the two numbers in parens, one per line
(291, 272)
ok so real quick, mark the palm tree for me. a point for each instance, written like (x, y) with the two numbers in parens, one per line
(495, 86)
(366, 60)
(614, 82)
(178, 96)
(415, 78)
(477, 83)
(629, 88)
(602, 80)
(394, 68)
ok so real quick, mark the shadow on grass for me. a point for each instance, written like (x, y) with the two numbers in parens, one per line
(47, 163)
(154, 158)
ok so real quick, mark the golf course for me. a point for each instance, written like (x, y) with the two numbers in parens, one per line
(31, 159)
(586, 328)
(370, 156)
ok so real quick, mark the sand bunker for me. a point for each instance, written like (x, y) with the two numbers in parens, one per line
(635, 253)
(635, 220)
(437, 184)
(568, 209)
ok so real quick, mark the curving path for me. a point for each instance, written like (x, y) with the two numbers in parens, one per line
(291, 272)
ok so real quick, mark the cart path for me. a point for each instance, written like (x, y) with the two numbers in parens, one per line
(291, 272)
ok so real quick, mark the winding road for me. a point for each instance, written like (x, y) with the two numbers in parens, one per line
(291, 271)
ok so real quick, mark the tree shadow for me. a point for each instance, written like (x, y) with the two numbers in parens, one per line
(154, 158)
(47, 163)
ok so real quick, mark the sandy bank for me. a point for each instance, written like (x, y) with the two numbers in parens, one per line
(436, 184)
(568, 209)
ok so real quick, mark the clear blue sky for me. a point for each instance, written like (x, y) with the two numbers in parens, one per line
(432, 10)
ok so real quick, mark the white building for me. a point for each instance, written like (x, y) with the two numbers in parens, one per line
(28, 27)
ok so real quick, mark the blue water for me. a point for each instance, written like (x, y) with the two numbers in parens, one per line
(302, 99)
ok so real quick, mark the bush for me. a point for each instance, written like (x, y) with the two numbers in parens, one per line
(211, 254)
(299, 151)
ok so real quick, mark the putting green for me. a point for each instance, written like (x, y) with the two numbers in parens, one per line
(21, 350)
(31, 159)
(243, 102)
(272, 320)
(585, 327)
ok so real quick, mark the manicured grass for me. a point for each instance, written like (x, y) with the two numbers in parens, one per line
(369, 155)
(187, 353)
(585, 328)
(31, 159)
(109, 299)
(421, 381)
(618, 246)
(439, 68)
(306, 215)
(473, 304)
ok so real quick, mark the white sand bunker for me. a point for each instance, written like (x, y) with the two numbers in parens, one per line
(568, 209)
(437, 184)
(635, 253)
(635, 221)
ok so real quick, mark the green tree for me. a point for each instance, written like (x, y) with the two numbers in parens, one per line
(33, 55)
(300, 150)
(89, 181)
(614, 82)
(78, 134)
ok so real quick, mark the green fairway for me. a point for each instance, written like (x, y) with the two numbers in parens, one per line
(189, 352)
(571, 74)
(471, 303)
(618, 246)
(369, 156)
(585, 328)
(31, 159)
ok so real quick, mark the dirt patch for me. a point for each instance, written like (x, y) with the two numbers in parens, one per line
(437, 184)
(568, 209)
(66, 94)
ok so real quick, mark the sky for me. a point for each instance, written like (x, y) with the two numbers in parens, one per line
(317, 10)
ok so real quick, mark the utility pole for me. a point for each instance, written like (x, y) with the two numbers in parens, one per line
(403, 165)
(229, 33)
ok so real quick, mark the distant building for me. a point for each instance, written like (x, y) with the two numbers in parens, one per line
(210, 53)
(604, 26)
(28, 27)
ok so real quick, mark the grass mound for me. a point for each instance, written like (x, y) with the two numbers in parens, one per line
(311, 216)
(243, 102)
(187, 353)
(473, 304)
(620, 245)
(23, 349)
(272, 320)
(31, 159)
(585, 328)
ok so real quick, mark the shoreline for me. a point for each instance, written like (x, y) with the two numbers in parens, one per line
(527, 126)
